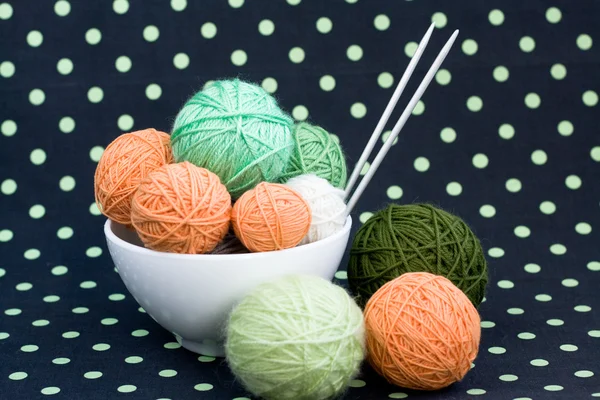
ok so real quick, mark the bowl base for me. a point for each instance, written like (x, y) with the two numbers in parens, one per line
(206, 347)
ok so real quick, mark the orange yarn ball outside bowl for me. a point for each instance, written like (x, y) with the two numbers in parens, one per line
(270, 217)
(181, 208)
(422, 331)
(123, 165)
(191, 295)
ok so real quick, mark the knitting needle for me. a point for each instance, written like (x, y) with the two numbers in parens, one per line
(400, 124)
(388, 111)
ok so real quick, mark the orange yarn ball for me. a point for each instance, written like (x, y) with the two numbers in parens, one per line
(422, 331)
(181, 208)
(270, 217)
(123, 166)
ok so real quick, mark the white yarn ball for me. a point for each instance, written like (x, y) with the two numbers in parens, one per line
(326, 203)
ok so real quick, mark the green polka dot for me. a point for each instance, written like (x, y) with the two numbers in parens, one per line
(487, 324)
(51, 299)
(167, 373)
(6, 11)
(236, 3)
(386, 136)
(95, 94)
(480, 160)
(239, 58)
(358, 110)
(505, 284)
(357, 383)
(300, 113)
(590, 98)
(93, 36)
(37, 97)
(92, 375)
(583, 228)
(50, 390)
(381, 22)
(558, 249)
(532, 100)
(96, 153)
(543, 297)
(515, 311)
(269, 84)
(293, 2)
(584, 41)
(448, 135)
(443, 77)
(558, 71)
(32, 254)
(40, 322)
(12, 312)
(94, 209)
(548, 207)
(172, 345)
(116, 297)
(397, 395)
(582, 308)
(410, 48)
(354, 52)
(584, 374)
(469, 47)
(342, 275)
(532, 268)
(125, 123)
(487, 211)
(501, 73)
(208, 30)
(66, 124)
(87, 285)
(8, 128)
(17, 376)
(37, 211)
(496, 17)
(8, 187)
(593, 266)
(35, 38)
(324, 25)
(7, 69)
(594, 333)
(181, 61)
(203, 387)
(439, 19)
(80, 310)
(421, 164)
(123, 64)
(553, 15)
(61, 361)
(4, 335)
(62, 8)
(573, 182)
(64, 66)
(37, 157)
(454, 188)
(506, 131)
(595, 153)
(151, 33)
(568, 347)
(153, 91)
(513, 185)
(29, 348)
(266, 27)
(120, 6)
(419, 108)
(526, 336)
(70, 335)
(109, 321)
(496, 252)
(59, 270)
(139, 333)
(394, 192)
(93, 252)
(508, 378)
(539, 362)
(522, 231)
(134, 360)
(101, 347)
(527, 44)
(6, 235)
(555, 322)
(127, 388)
(364, 217)
(539, 157)
(327, 83)
(569, 282)
(66, 183)
(24, 286)
(497, 350)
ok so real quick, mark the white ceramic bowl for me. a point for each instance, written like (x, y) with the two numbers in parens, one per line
(192, 295)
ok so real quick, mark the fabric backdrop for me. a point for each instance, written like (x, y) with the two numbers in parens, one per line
(506, 137)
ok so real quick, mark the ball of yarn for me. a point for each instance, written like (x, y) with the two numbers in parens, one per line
(316, 152)
(123, 165)
(416, 238)
(422, 332)
(236, 130)
(326, 203)
(181, 208)
(296, 338)
(270, 217)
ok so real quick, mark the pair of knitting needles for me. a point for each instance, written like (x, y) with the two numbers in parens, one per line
(401, 121)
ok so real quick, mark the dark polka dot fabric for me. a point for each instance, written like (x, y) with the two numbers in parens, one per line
(506, 137)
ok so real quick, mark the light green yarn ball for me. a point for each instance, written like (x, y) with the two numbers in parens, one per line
(298, 337)
(316, 152)
(236, 130)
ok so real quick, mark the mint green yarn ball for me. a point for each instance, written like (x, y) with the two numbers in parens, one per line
(316, 152)
(236, 130)
(297, 337)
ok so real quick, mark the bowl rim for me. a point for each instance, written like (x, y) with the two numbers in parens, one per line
(111, 237)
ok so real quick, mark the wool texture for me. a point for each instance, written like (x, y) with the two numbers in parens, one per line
(270, 217)
(236, 130)
(422, 332)
(230, 245)
(326, 203)
(296, 338)
(181, 208)
(316, 152)
(416, 238)
(126, 161)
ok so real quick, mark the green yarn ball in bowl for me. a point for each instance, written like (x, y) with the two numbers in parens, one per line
(316, 152)
(298, 337)
(236, 130)
(416, 238)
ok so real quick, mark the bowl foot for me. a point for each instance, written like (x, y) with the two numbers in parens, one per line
(207, 347)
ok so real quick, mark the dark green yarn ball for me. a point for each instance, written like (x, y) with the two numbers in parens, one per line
(416, 238)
